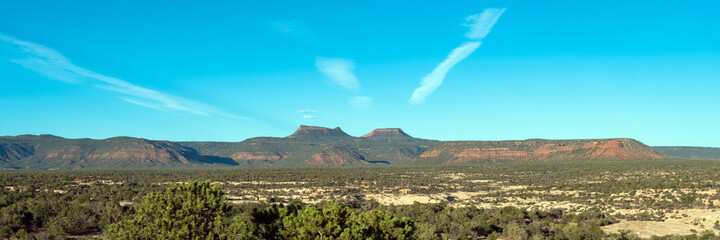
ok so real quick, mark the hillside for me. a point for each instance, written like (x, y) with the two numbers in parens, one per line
(10, 152)
(51, 152)
(690, 152)
(316, 146)
(308, 146)
(536, 150)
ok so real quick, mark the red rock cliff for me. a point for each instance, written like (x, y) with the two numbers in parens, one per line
(538, 150)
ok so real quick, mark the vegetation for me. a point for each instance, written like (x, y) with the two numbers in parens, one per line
(198, 210)
(309, 203)
(195, 210)
(690, 152)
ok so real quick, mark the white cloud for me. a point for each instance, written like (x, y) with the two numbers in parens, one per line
(480, 24)
(339, 70)
(433, 80)
(309, 116)
(52, 64)
(306, 111)
(361, 102)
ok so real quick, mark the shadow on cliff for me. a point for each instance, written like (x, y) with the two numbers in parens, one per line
(219, 160)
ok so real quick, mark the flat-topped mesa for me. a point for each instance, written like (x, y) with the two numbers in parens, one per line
(387, 133)
(538, 150)
(312, 132)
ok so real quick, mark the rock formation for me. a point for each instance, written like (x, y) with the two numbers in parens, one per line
(387, 134)
(537, 150)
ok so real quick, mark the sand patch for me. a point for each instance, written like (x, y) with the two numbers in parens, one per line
(646, 229)
(679, 222)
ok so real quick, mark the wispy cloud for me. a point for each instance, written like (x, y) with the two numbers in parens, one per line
(433, 80)
(361, 102)
(480, 25)
(306, 111)
(339, 70)
(52, 64)
(309, 116)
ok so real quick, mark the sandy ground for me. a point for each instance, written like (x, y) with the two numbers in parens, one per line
(646, 229)
(684, 222)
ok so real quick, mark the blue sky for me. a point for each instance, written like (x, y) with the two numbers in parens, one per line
(465, 70)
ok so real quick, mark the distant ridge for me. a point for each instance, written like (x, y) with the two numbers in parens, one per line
(48, 152)
(310, 146)
(690, 152)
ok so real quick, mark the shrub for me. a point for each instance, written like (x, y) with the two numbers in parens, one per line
(195, 210)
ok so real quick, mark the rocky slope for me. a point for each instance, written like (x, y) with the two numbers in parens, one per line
(537, 150)
(336, 157)
(47, 151)
(10, 152)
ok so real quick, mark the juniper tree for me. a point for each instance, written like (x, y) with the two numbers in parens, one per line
(194, 210)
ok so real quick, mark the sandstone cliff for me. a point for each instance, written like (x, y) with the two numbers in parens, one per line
(336, 157)
(537, 150)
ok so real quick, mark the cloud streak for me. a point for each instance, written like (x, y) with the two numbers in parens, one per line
(433, 80)
(52, 64)
(480, 26)
(339, 70)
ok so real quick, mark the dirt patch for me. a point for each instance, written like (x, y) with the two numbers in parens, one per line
(407, 199)
(646, 229)
(679, 222)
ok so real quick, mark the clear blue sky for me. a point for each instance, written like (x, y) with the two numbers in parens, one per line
(230, 70)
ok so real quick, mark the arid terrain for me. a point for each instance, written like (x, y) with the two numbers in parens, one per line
(659, 197)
